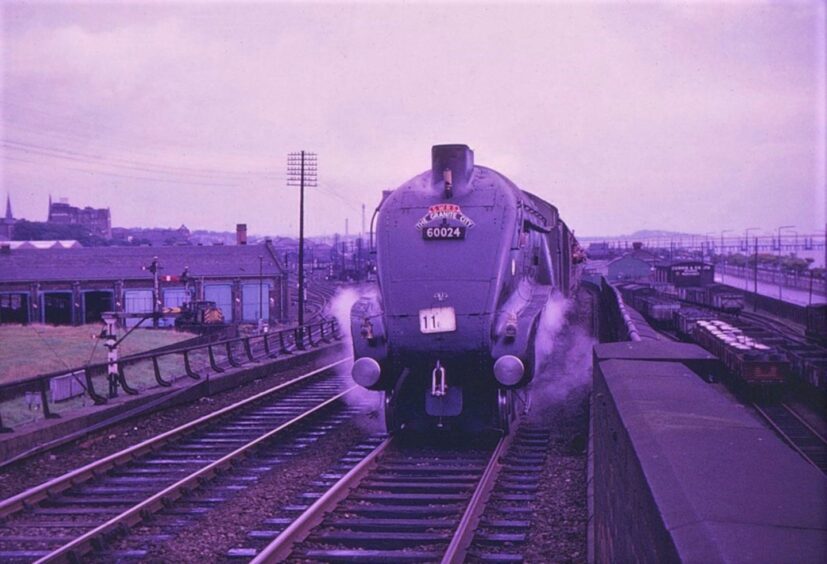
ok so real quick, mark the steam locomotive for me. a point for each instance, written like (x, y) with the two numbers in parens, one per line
(466, 262)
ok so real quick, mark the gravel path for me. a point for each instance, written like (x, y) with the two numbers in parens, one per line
(558, 525)
(40, 468)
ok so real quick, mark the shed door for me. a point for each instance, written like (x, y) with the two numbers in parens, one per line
(14, 308)
(95, 303)
(222, 295)
(251, 299)
(137, 301)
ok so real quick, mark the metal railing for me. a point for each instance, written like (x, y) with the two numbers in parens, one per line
(619, 325)
(746, 275)
(216, 357)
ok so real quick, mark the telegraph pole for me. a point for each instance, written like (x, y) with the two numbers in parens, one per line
(301, 172)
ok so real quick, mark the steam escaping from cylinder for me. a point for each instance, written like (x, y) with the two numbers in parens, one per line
(339, 307)
(552, 321)
(563, 355)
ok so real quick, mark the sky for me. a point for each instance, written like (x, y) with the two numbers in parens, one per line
(692, 116)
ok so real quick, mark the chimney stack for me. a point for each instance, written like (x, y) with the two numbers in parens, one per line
(451, 168)
(241, 234)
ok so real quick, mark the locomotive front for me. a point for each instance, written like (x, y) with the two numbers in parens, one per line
(442, 337)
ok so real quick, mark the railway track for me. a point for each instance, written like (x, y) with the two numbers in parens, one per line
(775, 325)
(797, 433)
(397, 500)
(66, 518)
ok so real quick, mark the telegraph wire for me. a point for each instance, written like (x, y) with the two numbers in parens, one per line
(115, 162)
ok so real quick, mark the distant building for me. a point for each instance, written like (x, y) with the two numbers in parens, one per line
(155, 237)
(681, 273)
(97, 221)
(630, 268)
(7, 223)
(598, 251)
(638, 265)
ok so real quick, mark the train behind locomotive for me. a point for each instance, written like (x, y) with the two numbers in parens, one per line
(466, 262)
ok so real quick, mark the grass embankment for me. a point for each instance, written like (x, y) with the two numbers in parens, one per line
(29, 350)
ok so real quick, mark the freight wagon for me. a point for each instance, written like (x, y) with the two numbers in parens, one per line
(716, 296)
(686, 318)
(751, 362)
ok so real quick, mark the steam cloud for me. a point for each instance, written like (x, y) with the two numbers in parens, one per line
(339, 307)
(562, 357)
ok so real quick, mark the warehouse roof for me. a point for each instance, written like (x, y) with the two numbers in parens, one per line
(125, 263)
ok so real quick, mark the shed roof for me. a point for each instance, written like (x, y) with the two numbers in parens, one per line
(640, 256)
(125, 263)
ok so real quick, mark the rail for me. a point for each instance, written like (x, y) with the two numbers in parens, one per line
(216, 357)
(36, 494)
(796, 432)
(458, 548)
(85, 543)
(281, 546)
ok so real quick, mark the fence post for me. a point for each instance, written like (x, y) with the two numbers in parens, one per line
(44, 401)
(190, 372)
(282, 344)
(247, 350)
(157, 369)
(90, 388)
(267, 350)
(298, 337)
(3, 428)
(230, 358)
(122, 379)
(213, 363)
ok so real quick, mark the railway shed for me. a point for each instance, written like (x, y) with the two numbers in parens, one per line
(73, 286)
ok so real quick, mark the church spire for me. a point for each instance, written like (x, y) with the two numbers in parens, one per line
(9, 215)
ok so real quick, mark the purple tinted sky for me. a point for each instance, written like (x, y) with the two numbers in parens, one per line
(693, 117)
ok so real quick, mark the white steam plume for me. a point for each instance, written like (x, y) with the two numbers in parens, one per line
(340, 306)
(563, 354)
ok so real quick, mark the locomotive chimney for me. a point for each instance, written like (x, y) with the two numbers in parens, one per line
(451, 168)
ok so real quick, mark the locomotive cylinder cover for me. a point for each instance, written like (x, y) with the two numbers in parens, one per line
(509, 370)
(366, 372)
